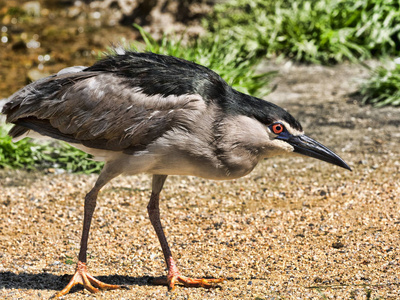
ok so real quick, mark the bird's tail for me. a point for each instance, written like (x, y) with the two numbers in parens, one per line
(16, 132)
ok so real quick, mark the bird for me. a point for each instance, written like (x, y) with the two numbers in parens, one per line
(142, 112)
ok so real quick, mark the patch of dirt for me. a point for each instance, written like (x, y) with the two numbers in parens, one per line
(295, 228)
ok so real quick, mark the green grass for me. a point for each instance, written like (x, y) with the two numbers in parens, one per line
(218, 54)
(17, 155)
(383, 88)
(69, 260)
(316, 31)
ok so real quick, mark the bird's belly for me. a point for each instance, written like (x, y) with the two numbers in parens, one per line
(175, 161)
(174, 164)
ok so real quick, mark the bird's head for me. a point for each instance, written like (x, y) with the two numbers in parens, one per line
(283, 137)
(274, 131)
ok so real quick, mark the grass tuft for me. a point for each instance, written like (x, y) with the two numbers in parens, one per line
(383, 88)
(316, 31)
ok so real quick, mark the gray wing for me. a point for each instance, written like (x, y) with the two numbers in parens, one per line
(99, 110)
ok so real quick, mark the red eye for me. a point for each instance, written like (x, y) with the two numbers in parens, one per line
(277, 128)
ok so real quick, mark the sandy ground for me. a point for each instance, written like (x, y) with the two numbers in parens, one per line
(295, 228)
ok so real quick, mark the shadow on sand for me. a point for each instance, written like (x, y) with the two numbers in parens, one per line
(46, 281)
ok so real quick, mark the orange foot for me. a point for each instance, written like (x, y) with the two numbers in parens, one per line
(90, 283)
(187, 281)
(174, 276)
(192, 282)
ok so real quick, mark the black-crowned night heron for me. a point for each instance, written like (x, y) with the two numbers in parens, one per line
(143, 112)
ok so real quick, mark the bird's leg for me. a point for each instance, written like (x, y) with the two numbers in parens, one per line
(174, 276)
(81, 275)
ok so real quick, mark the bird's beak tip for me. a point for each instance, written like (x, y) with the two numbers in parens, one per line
(348, 168)
(307, 146)
(344, 166)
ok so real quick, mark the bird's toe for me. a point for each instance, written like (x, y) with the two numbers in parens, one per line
(171, 281)
(83, 278)
(199, 282)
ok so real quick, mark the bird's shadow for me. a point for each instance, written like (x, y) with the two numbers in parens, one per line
(45, 281)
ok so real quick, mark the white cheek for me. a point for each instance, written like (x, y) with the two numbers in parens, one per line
(283, 146)
(278, 147)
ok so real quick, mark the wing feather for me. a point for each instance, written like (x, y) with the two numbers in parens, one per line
(100, 110)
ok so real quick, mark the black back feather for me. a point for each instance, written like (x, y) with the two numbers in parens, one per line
(162, 74)
(168, 75)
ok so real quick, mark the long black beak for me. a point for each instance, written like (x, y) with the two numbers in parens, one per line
(307, 146)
